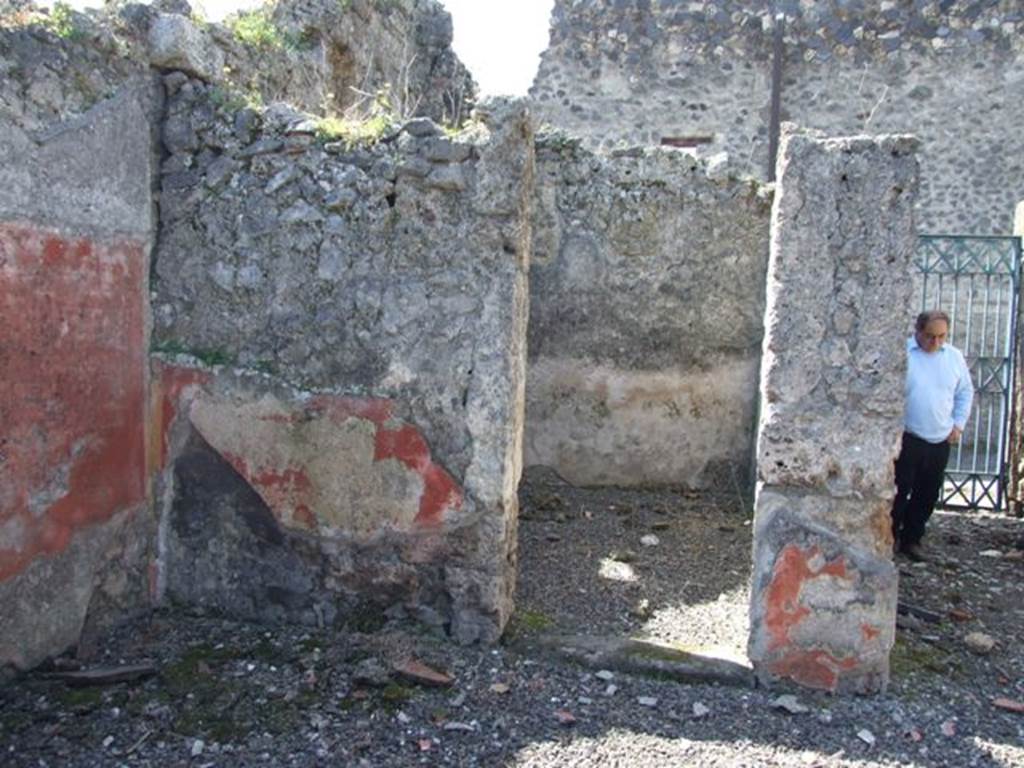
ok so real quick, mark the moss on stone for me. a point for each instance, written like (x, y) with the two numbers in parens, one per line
(393, 693)
(909, 658)
(525, 622)
(656, 652)
(366, 617)
(80, 698)
(207, 356)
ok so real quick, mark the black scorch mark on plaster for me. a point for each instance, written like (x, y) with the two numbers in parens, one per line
(228, 551)
(205, 481)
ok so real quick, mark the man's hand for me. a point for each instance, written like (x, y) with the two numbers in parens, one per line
(954, 436)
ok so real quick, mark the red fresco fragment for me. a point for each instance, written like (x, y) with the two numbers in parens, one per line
(440, 491)
(173, 381)
(339, 409)
(304, 516)
(285, 489)
(812, 668)
(290, 489)
(405, 444)
(782, 598)
(72, 392)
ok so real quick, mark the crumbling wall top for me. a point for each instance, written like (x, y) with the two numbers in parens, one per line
(353, 57)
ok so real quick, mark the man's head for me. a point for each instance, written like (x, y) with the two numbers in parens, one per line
(931, 330)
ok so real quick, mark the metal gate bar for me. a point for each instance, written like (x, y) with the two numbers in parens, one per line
(977, 281)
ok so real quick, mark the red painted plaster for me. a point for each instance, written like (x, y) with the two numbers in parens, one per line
(440, 491)
(782, 598)
(72, 397)
(812, 668)
(339, 409)
(287, 489)
(172, 381)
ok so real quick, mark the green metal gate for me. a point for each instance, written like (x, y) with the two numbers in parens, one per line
(977, 280)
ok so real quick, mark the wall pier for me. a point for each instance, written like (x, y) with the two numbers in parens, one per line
(823, 600)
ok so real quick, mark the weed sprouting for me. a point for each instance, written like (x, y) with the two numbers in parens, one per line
(61, 22)
(353, 131)
(256, 28)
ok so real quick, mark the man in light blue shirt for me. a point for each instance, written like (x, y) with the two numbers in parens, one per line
(938, 396)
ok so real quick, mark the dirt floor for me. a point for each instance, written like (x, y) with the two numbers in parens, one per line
(668, 566)
(232, 694)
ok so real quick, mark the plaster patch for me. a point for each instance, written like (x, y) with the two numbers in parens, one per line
(335, 465)
(599, 425)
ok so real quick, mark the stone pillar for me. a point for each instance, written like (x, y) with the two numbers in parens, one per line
(823, 599)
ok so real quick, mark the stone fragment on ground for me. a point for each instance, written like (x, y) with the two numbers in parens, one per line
(1010, 705)
(651, 658)
(371, 672)
(789, 703)
(980, 643)
(565, 717)
(455, 725)
(417, 672)
(105, 675)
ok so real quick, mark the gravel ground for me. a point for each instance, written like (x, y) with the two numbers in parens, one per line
(231, 694)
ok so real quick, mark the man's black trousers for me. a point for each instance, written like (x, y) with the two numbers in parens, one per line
(920, 471)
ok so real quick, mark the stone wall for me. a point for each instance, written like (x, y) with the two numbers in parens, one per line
(82, 433)
(373, 302)
(645, 319)
(76, 228)
(401, 48)
(353, 58)
(823, 597)
(649, 70)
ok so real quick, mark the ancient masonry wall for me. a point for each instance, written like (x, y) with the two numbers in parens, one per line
(355, 433)
(84, 438)
(642, 72)
(647, 299)
(76, 228)
(353, 58)
(399, 49)
(823, 596)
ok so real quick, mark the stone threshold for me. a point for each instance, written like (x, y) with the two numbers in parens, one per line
(649, 658)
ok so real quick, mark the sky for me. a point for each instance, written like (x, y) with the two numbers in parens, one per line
(499, 40)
